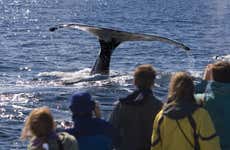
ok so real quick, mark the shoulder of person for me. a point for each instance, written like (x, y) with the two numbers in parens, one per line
(157, 102)
(66, 137)
(102, 122)
(201, 113)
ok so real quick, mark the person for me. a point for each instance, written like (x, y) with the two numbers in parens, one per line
(216, 82)
(40, 128)
(133, 115)
(182, 124)
(91, 131)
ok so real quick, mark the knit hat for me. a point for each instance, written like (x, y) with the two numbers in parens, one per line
(81, 102)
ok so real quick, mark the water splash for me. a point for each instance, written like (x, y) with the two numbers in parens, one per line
(17, 98)
(223, 58)
(68, 77)
(83, 78)
(191, 60)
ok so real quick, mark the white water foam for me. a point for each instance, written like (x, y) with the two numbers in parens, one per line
(83, 78)
(224, 58)
(68, 76)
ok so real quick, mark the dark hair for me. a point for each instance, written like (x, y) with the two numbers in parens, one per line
(181, 88)
(144, 76)
(221, 71)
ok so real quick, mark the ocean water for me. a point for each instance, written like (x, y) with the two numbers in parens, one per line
(34, 63)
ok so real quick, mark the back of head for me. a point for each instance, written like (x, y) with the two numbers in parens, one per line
(221, 71)
(181, 88)
(144, 76)
(39, 122)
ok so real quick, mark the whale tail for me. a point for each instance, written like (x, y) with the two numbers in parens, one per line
(109, 39)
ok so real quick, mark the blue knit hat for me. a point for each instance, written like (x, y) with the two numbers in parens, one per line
(81, 102)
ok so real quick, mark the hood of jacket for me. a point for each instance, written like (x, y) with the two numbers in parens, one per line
(177, 111)
(137, 97)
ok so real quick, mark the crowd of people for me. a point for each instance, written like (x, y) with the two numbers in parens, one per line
(194, 117)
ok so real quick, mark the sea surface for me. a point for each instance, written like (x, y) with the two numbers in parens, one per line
(35, 63)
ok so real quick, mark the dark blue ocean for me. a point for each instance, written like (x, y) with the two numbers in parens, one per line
(34, 63)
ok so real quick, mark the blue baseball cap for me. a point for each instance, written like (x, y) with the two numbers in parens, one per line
(81, 102)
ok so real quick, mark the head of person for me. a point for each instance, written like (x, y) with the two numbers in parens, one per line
(39, 123)
(144, 76)
(181, 88)
(221, 71)
(81, 105)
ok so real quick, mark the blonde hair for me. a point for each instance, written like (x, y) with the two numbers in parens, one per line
(144, 76)
(181, 88)
(39, 123)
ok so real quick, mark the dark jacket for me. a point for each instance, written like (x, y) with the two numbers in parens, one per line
(93, 133)
(133, 116)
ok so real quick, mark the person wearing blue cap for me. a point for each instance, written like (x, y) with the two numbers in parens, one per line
(90, 131)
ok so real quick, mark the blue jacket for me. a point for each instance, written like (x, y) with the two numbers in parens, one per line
(93, 133)
(217, 101)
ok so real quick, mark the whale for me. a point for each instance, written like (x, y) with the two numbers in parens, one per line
(110, 39)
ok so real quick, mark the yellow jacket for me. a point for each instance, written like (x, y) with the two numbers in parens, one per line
(168, 135)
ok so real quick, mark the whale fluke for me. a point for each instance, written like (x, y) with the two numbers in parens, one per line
(109, 39)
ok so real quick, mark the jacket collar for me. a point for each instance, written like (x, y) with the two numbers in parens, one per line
(137, 97)
(180, 110)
